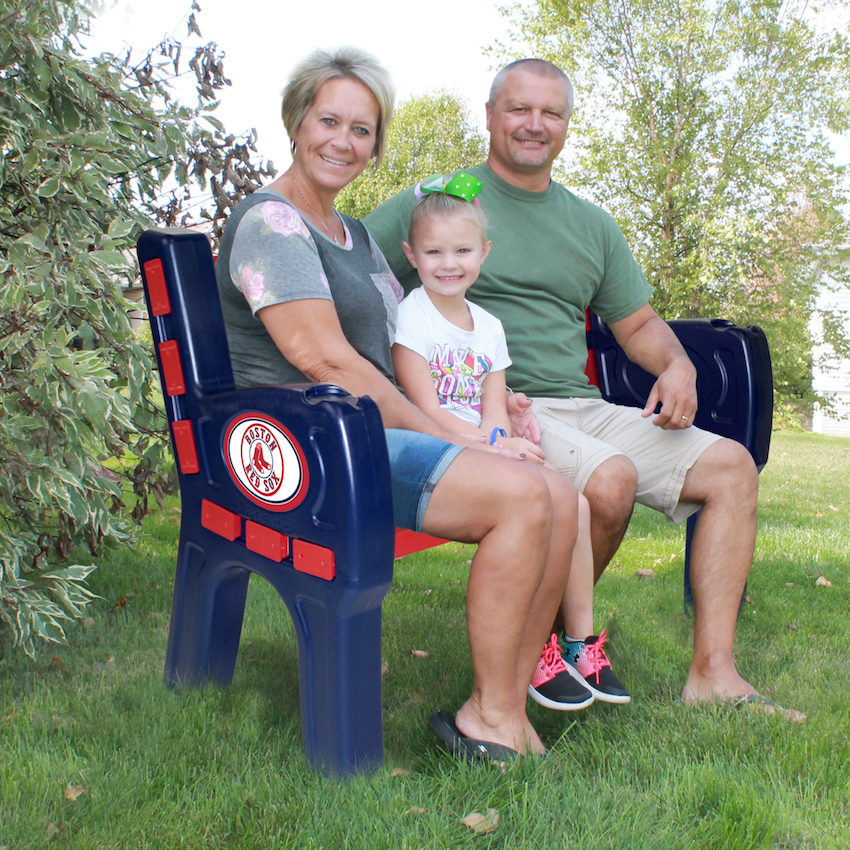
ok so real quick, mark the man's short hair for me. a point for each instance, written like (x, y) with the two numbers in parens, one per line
(540, 67)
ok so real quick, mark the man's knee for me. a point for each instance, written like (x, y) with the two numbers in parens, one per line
(725, 468)
(611, 490)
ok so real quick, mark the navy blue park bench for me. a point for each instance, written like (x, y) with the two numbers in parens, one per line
(292, 483)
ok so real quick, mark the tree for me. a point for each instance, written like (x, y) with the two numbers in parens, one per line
(86, 146)
(703, 127)
(430, 134)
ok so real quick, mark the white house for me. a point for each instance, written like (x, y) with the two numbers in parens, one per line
(833, 378)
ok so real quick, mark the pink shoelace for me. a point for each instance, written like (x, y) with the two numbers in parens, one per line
(551, 662)
(595, 656)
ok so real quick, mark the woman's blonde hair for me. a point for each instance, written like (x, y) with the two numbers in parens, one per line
(347, 63)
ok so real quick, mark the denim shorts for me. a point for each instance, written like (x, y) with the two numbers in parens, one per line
(417, 461)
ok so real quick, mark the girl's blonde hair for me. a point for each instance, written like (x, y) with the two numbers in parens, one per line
(439, 205)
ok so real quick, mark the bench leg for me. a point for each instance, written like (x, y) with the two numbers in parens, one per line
(206, 619)
(339, 656)
(689, 536)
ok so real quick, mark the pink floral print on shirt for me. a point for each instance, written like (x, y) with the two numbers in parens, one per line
(252, 285)
(283, 219)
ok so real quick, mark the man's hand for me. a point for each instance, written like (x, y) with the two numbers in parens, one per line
(676, 391)
(523, 421)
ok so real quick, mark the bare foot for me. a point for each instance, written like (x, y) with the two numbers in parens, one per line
(744, 694)
(509, 730)
(716, 680)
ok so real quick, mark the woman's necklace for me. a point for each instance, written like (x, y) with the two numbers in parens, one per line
(309, 207)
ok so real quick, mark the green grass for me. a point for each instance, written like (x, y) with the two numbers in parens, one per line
(223, 768)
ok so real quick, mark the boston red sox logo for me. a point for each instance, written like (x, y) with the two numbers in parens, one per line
(266, 462)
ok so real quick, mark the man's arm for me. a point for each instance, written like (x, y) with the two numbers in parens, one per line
(648, 341)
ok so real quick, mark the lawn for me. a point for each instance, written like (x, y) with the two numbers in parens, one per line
(96, 753)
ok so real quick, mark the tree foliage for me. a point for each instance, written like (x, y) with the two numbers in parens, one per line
(86, 147)
(704, 127)
(429, 134)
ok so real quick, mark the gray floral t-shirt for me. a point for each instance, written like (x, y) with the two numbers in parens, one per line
(270, 255)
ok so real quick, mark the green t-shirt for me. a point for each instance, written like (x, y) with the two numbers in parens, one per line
(553, 256)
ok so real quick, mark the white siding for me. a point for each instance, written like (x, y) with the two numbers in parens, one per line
(834, 380)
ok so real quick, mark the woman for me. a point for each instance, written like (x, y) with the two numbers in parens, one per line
(307, 296)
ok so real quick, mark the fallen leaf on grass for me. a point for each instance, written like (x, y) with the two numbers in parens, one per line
(400, 771)
(418, 653)
(833, 508)
(415, 810)
(385, 668)
(482, 823)
(74, 792)
(88, 622)
(823, 581)
(646, 572)
(793, 627)
(53, 830)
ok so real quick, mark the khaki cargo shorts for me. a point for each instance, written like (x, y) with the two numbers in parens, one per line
(578, 434)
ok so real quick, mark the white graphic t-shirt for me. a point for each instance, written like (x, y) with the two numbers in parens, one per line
(459, 359)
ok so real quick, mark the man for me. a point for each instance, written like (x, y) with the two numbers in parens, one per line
(554, 255)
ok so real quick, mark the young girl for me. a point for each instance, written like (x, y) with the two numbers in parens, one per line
(450, 358)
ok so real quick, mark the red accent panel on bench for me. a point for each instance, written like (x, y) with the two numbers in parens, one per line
(590, 368)
(312, 559)
(184, 444)
(407, 542)
(172, 369)
(157, 291)
(265, 541)
(220, 521)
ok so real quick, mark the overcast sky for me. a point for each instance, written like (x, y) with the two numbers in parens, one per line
(425, 46)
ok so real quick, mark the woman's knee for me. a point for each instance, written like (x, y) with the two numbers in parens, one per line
(528, 491)
(482, 492)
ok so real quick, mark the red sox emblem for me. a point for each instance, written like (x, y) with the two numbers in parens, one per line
(266, 462)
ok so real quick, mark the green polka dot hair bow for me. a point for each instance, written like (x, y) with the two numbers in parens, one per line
(460, 184)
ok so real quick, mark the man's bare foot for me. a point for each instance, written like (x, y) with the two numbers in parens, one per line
(716, 680)
(748, 697)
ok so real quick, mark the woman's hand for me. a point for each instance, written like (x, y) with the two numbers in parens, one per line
(524, 448)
